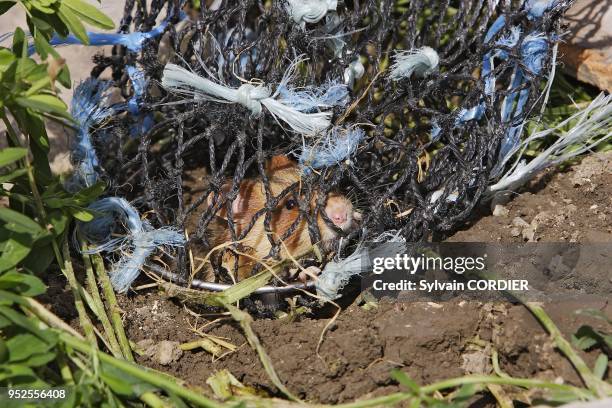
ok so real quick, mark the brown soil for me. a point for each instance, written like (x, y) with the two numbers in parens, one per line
(429, 341)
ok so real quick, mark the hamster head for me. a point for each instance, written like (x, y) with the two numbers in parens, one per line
(282, 173)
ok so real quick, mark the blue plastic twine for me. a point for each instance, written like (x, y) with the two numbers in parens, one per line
(310, 99)
(87, 111)
(144, 122)
(132, 41)
(337, 146)
(136, 246)
(533, 51)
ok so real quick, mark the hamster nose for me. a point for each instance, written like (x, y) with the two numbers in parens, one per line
(338, 217)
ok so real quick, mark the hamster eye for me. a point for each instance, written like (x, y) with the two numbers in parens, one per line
(290, 204)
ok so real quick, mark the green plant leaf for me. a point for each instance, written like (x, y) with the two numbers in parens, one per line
(52, 20)
(3, 352)
(26, 285)
(6, 58)
(583, 343)
(89, 194)
(44, 103)
(25, 374)
(466, 392)
(40, 43)
(122, 383)
(59, 220)
(81, 214)
(402, 378)
(15, 221)
(558, 397)
(9, 298)
(39, 259)
(90, 14)
(25, 323)
(64, 77)
(601, 365)
(14, 248)
(5, 178)
(35, 127)
(42, 8)
(73, 23)
(20, 45)
(11, 154)
(587, 337)
(24, 346)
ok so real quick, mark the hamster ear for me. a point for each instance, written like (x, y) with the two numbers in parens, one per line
(279, 162)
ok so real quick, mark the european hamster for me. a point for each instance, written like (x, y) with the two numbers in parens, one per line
(282, 173)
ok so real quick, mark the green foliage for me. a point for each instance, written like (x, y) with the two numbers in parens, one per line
(39, 210)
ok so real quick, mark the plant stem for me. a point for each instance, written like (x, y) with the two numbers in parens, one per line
(49, 318)
(101, 312)
(600, 388)
(245, 319)
(152, 377)
(152, 400)
(387, 400)
(502, 399)
(113, 307)
(78, 301)
(519, 382)
(205, 344)
(9, 128)
(64, 368)
(495, 362)
(472, 379)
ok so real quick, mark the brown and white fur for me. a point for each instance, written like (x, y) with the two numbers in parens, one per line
(282, 173)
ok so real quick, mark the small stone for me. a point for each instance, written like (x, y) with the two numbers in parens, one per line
(529, 234)
(146, 347)
(500, 211)
(477, 362)
(168, 352)
(515, 232)
(594, 207)
(519, 222)
(543, 217)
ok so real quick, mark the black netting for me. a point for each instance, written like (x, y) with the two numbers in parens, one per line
(399, 179)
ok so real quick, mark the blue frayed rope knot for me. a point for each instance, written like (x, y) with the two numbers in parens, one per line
(337, 273)
(135, 247)
(337, 146)
(303, 110)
